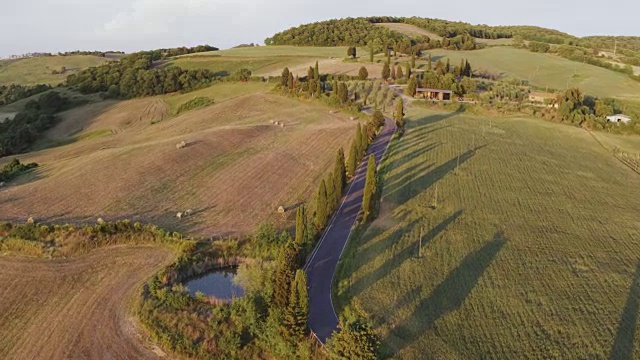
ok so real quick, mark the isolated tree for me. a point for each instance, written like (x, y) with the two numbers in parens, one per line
(352, 160)
(447, 67)
(284, 81)
(284, 275)
(370, 190)
(467, 69)
(297, 313)
(386, 72)
(408, 71)
(413, 61)
(343, 93)
(363, 74)
(399, 73)
(310, 74)
(371, 53)
(429, 63)
(393, 72)
(351, 51)
(399, 115)
(322, 207)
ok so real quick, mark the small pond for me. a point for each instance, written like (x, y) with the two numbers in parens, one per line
(218, 283)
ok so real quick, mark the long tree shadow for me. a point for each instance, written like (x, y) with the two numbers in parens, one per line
(400, 257)
(626, 334)
(449, 295)
(420, 181)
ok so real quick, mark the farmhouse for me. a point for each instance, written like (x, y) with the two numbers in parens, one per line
(618, 118)
(541, 97)
(433, 94)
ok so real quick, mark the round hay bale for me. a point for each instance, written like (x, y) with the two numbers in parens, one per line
(31, 220)
(281, 124)
(100, 221)
(277, 123)
(281, 209)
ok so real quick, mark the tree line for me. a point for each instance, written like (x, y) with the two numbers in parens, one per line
(134, 76)
(25, 128)
(15, 92)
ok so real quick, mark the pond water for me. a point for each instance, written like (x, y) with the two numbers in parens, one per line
(218, 283)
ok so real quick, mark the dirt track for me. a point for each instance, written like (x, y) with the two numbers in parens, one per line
(75, 308)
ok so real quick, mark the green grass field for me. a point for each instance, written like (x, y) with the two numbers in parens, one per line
(218, 93)
(545, 70)
(531, 252)
(38, 70)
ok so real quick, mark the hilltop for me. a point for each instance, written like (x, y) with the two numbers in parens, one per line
(50, 70)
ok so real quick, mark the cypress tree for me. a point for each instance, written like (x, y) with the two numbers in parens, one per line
(413, 61)
(310, 74)
(429, 63)
(400, 115)
(316, 72)
(322, 213)
(285, 270)
(447, 67)
(408, 71)
(285, 77)
(290, 81)
(386, 72)
(371, 53)
(340, 171)
(370, 190)
(461, 69)
(301, 227)
(352, 162)
(399, 73)
(393, 72)
(359, 142)
(297, 314)
(364, 141)
(331, 194)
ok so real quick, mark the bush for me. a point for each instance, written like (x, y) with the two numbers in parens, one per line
(195, 103)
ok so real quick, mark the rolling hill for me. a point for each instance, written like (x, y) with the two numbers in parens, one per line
(236, 170)
(39, 70)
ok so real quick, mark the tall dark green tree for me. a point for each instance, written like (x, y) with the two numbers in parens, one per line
(301, 227)
(371, 53)
(343, 93)
(408, 71)
(370, 190)
(322, 207)
(354, 341)
(447, 67)
(340, 171)
(285, 77)
(332, 197)
(290, 82)
(386, 72)
(363, 74)
(399, 73)
(393, 72)
(286, 265)
(297, 313)
(399, 115)
(316, 72)
(352, 161)
(429, 67)
(411, 87)
(413, 61)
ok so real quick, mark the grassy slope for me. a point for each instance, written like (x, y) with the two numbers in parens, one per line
(38, 70)
(545, 70)
(270, 60)
(531, 252)
(235, 172)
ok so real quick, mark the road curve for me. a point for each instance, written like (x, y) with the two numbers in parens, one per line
(322, 264)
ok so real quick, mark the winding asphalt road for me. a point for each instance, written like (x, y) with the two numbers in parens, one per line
(323, 261)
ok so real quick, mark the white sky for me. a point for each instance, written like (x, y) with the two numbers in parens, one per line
(130, 25)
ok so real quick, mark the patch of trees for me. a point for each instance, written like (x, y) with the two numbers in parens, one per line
(15, 92)
(195, 103)
(133, 76)
(540, 47)
(13, 169)
(94, 53)
(25, 128)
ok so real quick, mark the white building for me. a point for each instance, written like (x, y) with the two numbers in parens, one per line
(618, 118)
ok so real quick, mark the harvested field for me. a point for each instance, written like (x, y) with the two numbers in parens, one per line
(236, 169)
(531, 250)
(77, 308)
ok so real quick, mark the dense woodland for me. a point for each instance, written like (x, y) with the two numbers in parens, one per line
(15, 92)
(134, 76)
(19, 134)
